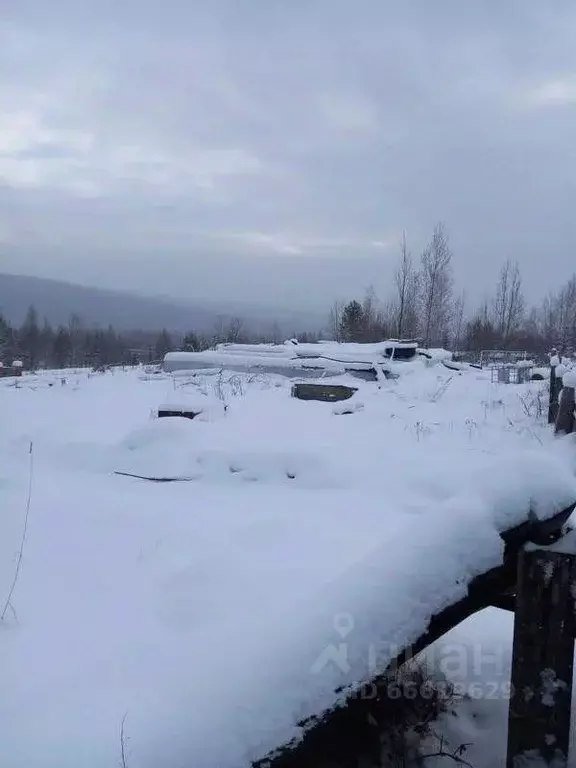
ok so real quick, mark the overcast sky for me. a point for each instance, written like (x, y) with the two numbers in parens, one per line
(276, 149)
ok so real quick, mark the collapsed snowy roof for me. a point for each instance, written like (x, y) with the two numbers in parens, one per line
(326, 356)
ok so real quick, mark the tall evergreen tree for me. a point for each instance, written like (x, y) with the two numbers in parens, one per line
(352, 322)
(62, 348)
(30, 341)
(46, 343)
(163, 344)
(12, 349)
(4, 333)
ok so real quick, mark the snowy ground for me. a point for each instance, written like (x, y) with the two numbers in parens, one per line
(307, 546)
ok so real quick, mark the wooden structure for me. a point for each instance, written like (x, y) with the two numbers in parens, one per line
(544, 632)
(561, 406)
(402, 349)
(454, 366)
(555, 387)
(564, 422)
(327, 393)
(510, 374)
(9, 371)
(185, 412)
(345, 736)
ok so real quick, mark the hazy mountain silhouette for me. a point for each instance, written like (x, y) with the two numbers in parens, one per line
(57, 300)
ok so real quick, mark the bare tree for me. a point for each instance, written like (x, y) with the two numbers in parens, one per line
(389, 320)
(234, 330)
(374, 325)
(508, 305)
(458, 320)
(276, 333)
(436, 287)
(335, 320)
(219, 334)
(558, 316)
(567, 313)
(406, 280)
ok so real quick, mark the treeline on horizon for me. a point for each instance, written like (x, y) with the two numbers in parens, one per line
(40, 345)
(423, 305)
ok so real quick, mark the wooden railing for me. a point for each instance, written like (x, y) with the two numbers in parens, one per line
(345, 735)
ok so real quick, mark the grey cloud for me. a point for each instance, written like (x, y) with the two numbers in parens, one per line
(233, 138)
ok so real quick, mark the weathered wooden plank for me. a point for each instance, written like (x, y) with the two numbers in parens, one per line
(454, 366)
(328, 393)
(505, 603)
(565, 413)
(543, 652)
(186, 413)
(555, 386)
(156, 479)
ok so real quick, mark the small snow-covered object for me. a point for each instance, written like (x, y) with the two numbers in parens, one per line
(554, 361)
(184, 411)
(569, 379)
(17, 364)
(540, 374)
(561, 370)
(345, 408)
(322, 392)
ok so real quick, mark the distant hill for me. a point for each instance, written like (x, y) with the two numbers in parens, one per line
(57, 300)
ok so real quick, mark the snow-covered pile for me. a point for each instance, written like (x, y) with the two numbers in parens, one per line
(208, 611)
(329, 355)
(569, 379)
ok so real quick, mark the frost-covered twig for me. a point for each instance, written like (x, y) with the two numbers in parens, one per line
(525, 405)
(8, 602)
(441, 390)
(455, 755)
(535, 436)
(219, 389)
(123, 739)
(533, 406)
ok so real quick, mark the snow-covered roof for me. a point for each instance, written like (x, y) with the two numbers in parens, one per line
(328, 356)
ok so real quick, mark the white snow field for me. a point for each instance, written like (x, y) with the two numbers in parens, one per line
(211, 615)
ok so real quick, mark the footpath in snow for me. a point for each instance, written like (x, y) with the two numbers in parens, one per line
(205, 613)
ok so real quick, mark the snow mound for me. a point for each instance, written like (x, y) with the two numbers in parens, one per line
(191, 605)
(347, 407)
(174, 448)
(569, 379)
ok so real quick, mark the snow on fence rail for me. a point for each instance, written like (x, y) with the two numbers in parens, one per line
(345, 734)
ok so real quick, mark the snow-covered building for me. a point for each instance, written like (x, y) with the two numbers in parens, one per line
(296, 360)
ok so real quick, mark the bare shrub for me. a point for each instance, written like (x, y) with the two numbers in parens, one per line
(404, 716)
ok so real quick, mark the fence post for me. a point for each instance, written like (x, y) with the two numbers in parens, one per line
(565, 412)
(555, 385)
(542, 658)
